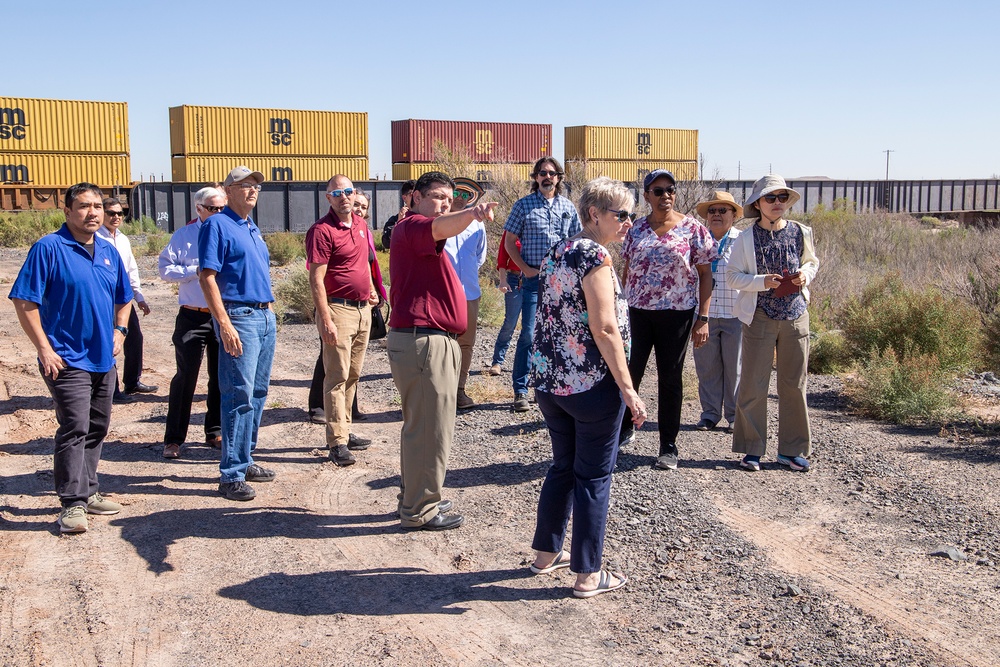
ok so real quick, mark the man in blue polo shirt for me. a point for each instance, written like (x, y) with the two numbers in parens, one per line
(71, 296)
(235, 277)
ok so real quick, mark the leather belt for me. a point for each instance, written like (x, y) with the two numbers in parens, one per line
(347, 302)
(254, 305)
(426, 331)
(200, 310)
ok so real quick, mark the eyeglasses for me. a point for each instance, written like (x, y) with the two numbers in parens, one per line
(659, 192)
(345, 192)
(247, 186)
(783, 197)
(115, 214)
(622, 215)
(722, 210)
(212, 209)
(545, 172)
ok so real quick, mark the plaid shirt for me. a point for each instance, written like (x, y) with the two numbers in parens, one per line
(540, 223)
(723, 296)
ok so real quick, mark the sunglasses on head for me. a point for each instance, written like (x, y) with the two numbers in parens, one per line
(545, 173)
(659, 192)
(770, 199)
(344, 192)
(622, 216)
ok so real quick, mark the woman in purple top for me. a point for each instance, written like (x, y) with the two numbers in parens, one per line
(668, 275)
(579, 370)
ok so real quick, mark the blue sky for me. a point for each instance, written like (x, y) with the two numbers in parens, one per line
(805, 89)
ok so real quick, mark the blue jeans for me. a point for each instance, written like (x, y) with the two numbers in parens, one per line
(584, 432)
(512, 310)
(243, 383)
(529, 302)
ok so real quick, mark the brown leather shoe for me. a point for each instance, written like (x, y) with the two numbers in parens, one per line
(464, 401)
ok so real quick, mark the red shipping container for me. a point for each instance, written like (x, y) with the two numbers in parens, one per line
(413, 140)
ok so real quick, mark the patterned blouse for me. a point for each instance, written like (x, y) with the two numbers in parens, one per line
(565, 359)
(661, 269)
(777, 252)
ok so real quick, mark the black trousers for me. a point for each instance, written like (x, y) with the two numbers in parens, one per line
(666, 332)
(132, 347)
(193, 336)
(83, 410)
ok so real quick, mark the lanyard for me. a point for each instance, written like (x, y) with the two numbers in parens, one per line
(722, 248)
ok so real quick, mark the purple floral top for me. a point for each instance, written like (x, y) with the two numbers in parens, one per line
(564, 357)
(775, 253)
(661, 269)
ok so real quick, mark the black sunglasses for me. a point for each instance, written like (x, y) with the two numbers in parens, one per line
(783, 197)
(212, 209)
(622, 215)
(545, 172)
(659, 192)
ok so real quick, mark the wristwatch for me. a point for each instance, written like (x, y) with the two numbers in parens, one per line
(124, 330)
(702, 318)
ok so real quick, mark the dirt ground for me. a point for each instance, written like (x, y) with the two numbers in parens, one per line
(833, 567)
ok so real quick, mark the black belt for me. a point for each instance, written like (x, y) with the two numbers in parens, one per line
(426, 331)
(347, 302)
(255, 306)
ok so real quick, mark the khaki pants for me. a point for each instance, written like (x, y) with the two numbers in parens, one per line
(467, 342)
(342, 364)
(425, 371)
(760, 338)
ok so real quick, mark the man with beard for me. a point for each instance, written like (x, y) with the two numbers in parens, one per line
(538, 221)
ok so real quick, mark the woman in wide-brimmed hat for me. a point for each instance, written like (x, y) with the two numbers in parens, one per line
(717, 362)
(772, 264)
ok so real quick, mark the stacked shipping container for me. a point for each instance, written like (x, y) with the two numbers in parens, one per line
(284, 145)
(488, 145)
(61, 142)
(629, 153)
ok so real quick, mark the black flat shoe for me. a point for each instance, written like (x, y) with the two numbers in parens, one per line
(141, 388)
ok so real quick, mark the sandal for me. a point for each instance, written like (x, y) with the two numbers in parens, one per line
(561, 561)
(171, 451)
(604, 585)
(751, 463)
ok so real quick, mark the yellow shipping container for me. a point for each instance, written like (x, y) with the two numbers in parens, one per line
(234, 131)
(30, 125)
(404, 171)
(633, 171)
(64, 169)
(590, 142)
(208, 168)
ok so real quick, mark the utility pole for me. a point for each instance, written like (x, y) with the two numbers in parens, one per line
(888, 196)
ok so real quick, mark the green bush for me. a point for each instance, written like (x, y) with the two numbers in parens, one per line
(155, 243)
(20, 230)
(991, 348)
(294, 297)
(904, 388)
(285, 247)
(828, 353)
(888, 314)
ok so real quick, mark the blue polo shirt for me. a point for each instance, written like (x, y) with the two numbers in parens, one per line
(235, 250)
(76, 297)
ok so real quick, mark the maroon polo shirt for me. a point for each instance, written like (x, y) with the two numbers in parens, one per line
(344, 250)
(424, 288)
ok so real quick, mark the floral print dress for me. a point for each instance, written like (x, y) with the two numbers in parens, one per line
(565, 359)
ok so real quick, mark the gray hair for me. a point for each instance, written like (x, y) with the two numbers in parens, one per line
(604, 193)
(205, 194)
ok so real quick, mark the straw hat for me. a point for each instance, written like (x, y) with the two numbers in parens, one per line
(718, 197)
(765, 186)
(468, 185)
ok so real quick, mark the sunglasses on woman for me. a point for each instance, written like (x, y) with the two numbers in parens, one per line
(659, 192)
(622, 216)
(783, 197)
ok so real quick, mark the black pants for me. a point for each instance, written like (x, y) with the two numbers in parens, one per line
(316, 388)
(666, 332)
(83, 410)
(133, 351)
(193, 335)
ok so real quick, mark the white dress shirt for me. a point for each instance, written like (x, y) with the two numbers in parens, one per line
(179, 264)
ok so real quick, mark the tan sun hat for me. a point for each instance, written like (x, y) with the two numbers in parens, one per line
(718, 197)
(765, 186)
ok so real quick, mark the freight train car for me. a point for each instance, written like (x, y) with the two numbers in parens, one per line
(415, 140)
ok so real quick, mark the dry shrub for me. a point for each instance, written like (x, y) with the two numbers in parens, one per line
(294, 296)
(20, 230)
(285, 247)
(902, 388)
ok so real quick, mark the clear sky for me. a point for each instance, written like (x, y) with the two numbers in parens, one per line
(804, 88)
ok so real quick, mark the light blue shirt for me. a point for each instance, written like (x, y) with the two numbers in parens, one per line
(467, 253)
(179, 264)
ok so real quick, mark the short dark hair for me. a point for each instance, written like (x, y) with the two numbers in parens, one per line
(432, 178)
(407, 187)
(110, 201)
(538, 167)
(74, 191)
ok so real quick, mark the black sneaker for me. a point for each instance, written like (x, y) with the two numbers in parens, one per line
(667, 460)
(626, 437)
(342, 456)
(317, 416)
(358, 443)
(521, 403)
(237, 491)
(122, 399)
(257, 474)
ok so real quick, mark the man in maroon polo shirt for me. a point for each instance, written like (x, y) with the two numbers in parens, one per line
(428, 314)
(342, 291)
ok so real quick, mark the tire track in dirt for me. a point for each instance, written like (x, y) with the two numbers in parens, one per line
(804, 551)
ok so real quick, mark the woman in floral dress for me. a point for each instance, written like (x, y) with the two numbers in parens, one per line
(668, 276)
(579, 369)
